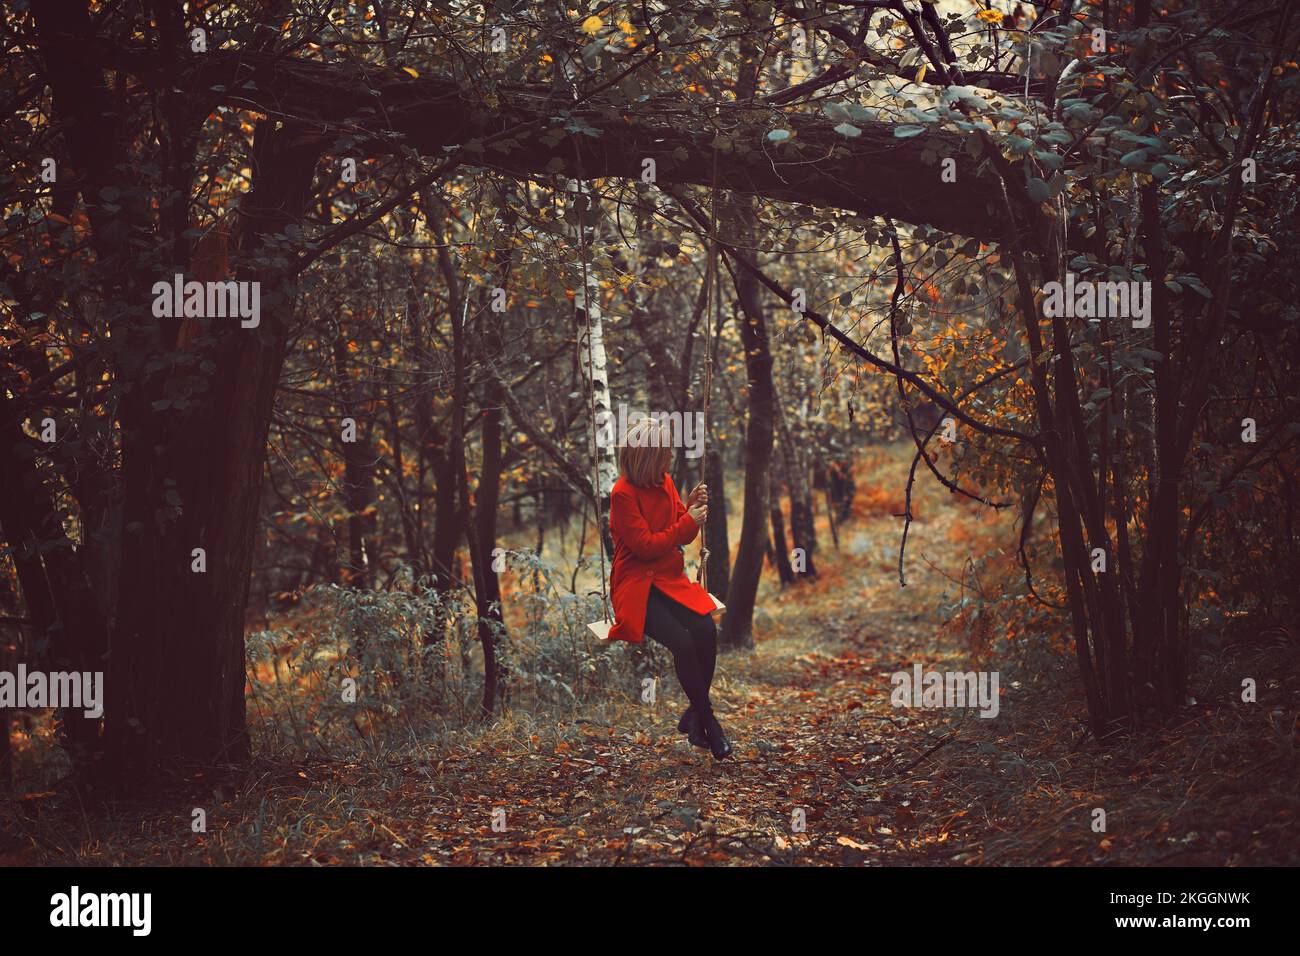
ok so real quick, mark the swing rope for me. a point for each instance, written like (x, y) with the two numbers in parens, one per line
(713, 296)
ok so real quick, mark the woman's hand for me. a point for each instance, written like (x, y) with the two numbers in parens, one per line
(699, 496)
(698, 512)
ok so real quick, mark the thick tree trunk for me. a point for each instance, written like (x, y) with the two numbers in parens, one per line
(737, 622)
(176, 680)
(192, 444)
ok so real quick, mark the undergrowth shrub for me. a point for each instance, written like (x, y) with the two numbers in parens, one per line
(374, 668)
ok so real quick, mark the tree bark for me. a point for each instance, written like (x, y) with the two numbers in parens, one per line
(717, 568)
(737, 622)
(487, 582)
(175, 686)
(780, 547)
(358, 477)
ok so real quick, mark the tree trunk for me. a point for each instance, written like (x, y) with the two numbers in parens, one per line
(842, 489)
(803, 531)
(737, 622)
(593, 362)
(780, 547)
(717, 569)
(487, 582)
(175, 685)
(358, 478)
(58, 594)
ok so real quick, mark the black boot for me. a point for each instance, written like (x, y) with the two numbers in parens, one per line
(717, 740)
(688, 718)
(690, 726)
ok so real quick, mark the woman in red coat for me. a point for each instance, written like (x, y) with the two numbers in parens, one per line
(650, 591)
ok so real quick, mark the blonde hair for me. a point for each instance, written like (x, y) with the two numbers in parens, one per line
(646, 452)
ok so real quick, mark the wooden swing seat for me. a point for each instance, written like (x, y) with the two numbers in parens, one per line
(602, 628)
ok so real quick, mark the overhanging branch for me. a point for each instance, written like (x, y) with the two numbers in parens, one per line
(519, 130)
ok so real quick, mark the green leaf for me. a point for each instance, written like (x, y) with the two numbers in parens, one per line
(848, 129)
(1134, 159)
(1038, 190)
(779, 135)
(908, 130)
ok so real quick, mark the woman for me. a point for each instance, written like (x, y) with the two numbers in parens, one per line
(650, 590)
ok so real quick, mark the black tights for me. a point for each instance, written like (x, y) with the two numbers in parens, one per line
(693, 640)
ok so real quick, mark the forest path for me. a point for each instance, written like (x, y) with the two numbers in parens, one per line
(825, 770)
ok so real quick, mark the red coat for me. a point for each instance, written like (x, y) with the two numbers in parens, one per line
(649, 526)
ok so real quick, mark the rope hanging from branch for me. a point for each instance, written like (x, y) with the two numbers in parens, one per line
(713, 293)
